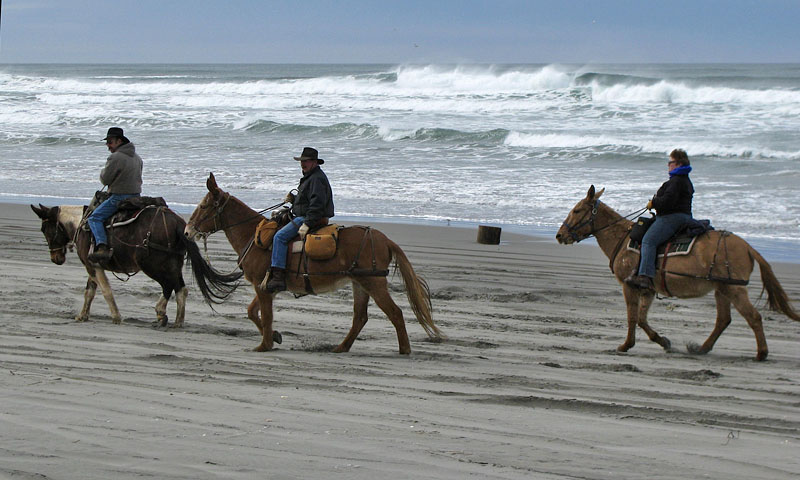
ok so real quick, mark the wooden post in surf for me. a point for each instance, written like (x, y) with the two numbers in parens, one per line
(489, 235)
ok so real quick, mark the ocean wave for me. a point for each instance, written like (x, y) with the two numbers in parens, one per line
(632, 146)
(462, 89)
(369, 131)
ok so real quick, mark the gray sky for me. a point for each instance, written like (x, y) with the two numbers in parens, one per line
(407, 31)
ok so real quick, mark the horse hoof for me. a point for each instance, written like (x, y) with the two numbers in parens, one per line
(624, 348)
(666, 344)
(277, 337)
(761, 356)
(80, 319)
(695, 349)
(116, 321)
(261, 348)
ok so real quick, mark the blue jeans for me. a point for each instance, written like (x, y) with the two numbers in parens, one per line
(281, 241)
(102, 212)
(659, 232)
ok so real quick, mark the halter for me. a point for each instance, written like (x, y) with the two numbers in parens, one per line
(572, 230)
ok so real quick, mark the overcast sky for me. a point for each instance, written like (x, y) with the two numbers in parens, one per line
(401, 31)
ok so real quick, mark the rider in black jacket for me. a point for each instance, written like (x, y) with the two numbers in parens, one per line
(673, 205)
(311, 208)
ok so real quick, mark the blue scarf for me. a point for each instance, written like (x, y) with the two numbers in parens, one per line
(682, 170)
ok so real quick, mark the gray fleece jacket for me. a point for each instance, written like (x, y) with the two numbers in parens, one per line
(123, 171)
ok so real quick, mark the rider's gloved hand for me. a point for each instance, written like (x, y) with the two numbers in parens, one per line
(303, 231)
(649, 204)
(289, 198)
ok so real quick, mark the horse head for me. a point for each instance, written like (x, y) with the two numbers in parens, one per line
(579, 223)
(55, 234)
(204, 218)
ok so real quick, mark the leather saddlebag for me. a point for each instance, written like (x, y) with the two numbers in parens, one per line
(264, 233)
(640, 228)
(321, 245)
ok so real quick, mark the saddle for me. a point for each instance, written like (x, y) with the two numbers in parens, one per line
(127, 212)
(320, 242)
(680, 243)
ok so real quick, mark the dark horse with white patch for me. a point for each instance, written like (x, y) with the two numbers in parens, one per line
(154, 243)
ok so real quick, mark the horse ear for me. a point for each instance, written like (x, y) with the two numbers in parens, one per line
(590, 193)
(39, 211)
(597, 195)
(211, 183)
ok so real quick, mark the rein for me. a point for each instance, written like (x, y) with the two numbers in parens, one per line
(572, 230)
(216, 214)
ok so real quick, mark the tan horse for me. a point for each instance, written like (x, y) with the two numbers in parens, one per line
(363, 257)
(719, 261)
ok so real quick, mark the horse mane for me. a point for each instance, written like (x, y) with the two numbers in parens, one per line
(70, 216)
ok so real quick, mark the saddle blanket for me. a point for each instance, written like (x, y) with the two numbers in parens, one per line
(681, 245)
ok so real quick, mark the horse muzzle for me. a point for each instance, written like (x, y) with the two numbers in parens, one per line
(58, 257)
(564, 237)
(190, 232)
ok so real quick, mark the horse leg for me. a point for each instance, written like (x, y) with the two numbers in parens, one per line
(101, 279)
(645, 300)
(738, 296)
(180, 300)
(265, 301)
(252, 313)
(723, 320)
(161, 310)
(632, 305)
(88, 296)
(360, 304)
(378, 289)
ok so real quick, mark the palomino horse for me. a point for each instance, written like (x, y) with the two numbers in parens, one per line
(153, 244)
(363, 256)
(719, 261)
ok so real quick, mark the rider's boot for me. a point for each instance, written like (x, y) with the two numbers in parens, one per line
(101, 253)
(277, 280)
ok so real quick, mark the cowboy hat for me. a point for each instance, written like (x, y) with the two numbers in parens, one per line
(310, 154)
(115, 132)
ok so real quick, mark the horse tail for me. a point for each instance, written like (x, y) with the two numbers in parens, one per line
(215, 286)
(776, 296)
(419, 295)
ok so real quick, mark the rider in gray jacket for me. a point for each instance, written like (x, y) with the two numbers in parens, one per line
(123, 175)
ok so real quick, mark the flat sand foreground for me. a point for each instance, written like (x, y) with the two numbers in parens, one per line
(528, 384)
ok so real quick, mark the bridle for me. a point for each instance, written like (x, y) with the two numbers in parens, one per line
(219, 206)
(60, 230)
(572, 230)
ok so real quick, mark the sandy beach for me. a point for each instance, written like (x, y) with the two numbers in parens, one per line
(528, 384)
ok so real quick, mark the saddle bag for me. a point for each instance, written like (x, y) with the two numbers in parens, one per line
(321, 245)
(640, 228)
(265, 231)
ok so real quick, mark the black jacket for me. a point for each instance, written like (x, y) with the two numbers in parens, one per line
(674, 196)
(314, 199)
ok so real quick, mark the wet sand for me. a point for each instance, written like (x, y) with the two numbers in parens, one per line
(527, 385)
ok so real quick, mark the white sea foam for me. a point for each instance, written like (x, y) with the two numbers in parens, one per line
(516, 145)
